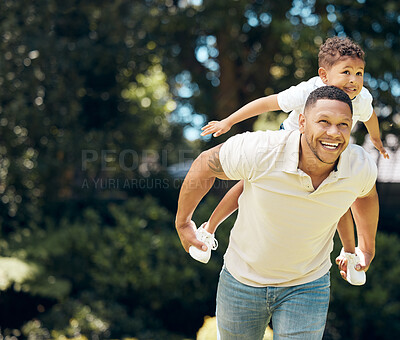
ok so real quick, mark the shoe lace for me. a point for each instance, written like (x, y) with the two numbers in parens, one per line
(214, 245)
(207, 238)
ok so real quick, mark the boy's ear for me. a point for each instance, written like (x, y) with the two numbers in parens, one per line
(323, 74)
(302, 121)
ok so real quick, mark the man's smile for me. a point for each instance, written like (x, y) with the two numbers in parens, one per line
(330, 146)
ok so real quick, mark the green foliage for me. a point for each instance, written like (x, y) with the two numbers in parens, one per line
(370, 311)
(72, 82)
(127, 276)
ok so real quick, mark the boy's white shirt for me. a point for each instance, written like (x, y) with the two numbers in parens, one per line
(294, 98)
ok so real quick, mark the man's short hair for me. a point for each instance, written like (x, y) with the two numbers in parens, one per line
(335, 48)
(328, 92)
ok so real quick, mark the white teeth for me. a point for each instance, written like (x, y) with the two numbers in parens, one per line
(330, 145)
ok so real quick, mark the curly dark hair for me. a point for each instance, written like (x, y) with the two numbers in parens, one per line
(328, 92)
(334, 48)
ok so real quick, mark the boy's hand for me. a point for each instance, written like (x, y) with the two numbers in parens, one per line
(217, 128)
(379, 146)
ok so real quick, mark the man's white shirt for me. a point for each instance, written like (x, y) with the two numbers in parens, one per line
(283, 235)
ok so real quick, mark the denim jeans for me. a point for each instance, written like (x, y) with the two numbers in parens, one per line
(298, 312)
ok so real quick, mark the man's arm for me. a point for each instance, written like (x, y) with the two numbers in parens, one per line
(366, 214)
(345, 230)
(197, 183)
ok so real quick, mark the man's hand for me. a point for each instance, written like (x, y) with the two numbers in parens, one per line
(365, 261)
(217, 128)
(187, 235)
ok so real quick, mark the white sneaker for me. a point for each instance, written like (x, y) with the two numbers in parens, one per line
(203, 236)
(353, 276)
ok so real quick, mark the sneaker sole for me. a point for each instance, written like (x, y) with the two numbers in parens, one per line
(199, 255)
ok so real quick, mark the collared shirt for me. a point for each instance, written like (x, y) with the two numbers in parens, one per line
(283, 234)
(294, 99)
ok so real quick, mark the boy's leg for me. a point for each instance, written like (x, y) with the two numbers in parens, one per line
(300, 312)
(345, 230)
(225, 208)
(242, 312)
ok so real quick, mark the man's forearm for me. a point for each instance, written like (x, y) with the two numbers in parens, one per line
(345, 230)
(193, 189)
(366, 214)
(197, 183)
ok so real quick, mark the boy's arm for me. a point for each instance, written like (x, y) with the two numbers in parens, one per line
(372, 126)
(254, 108)
(225, 208)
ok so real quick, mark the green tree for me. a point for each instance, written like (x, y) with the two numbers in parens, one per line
(98, 92)
(241, 50)
(77, 81)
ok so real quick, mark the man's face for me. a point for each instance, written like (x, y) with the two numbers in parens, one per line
(326, 126)
(347, 74)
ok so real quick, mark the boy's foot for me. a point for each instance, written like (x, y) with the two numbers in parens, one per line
(353, 276)
(211, 243)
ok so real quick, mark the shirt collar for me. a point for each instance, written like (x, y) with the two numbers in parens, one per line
(291, 153)
(319, 82)
(343, 166)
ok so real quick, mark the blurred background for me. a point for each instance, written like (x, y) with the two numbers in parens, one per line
(101, 105)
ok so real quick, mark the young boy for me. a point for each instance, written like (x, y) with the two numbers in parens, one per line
(341, 64)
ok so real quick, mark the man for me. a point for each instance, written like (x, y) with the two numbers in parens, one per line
(297, 185)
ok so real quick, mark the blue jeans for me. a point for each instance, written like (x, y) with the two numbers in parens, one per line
(298, 312)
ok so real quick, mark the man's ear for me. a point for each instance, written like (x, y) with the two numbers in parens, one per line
(323, 74)
(302, 122)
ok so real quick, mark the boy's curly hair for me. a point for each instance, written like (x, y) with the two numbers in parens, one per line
(334, 48)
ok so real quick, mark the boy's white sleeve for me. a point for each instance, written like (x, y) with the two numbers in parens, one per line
(295, 96)
(366, 108)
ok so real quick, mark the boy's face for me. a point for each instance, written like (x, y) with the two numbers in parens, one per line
(347, 74)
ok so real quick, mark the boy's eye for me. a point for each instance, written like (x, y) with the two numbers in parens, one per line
(323, 121)
(346, 72)
(359, 74)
